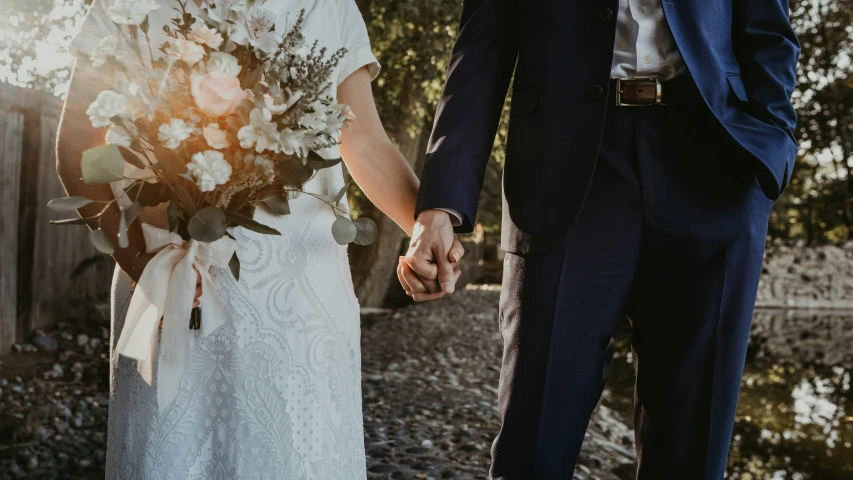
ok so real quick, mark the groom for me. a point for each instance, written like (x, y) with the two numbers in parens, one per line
(648, 140)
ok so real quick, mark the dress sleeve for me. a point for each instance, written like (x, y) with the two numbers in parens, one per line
(354, 38)
(96, 26)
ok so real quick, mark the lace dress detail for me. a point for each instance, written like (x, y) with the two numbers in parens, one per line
(276, 392)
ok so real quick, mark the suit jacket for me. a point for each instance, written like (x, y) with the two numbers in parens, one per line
(742, 55)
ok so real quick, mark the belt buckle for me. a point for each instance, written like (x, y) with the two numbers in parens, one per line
(658, 92)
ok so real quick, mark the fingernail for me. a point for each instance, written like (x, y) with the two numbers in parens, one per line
(448, 287)
(408, 293)
(455, 257)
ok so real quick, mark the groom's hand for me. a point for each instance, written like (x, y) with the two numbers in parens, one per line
(427, 272)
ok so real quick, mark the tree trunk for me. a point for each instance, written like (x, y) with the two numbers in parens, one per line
(373, 266)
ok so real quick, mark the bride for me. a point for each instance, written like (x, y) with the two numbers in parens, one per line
(275, 393)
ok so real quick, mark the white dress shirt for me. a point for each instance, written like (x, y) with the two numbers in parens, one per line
(644, 48)
(644, 44)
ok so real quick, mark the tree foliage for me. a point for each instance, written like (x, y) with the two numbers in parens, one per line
(817, 206)
(34, 35)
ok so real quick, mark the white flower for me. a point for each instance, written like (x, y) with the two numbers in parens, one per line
(261, 164)
(315, 120)
(209, 169)
(293, 142)
(261, 133)
(132, 12)
(109, 104)
(205, 35)
(256, 28)
(189, 52)
(220, 10)
(216, 137)
(105, 49)
(301, 48)
(275, 108)
(118, 135)
(218, 62)
(174, 132)
(340, 117)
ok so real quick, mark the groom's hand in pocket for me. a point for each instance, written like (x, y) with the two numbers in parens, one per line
(428, 272)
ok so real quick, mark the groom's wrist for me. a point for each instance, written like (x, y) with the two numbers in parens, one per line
(453, 216)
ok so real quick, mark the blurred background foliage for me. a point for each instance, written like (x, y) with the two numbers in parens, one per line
(413, 40)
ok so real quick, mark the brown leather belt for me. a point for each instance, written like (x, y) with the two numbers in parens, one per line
(642, 92)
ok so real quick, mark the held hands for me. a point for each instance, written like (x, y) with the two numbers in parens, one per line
(428, 271)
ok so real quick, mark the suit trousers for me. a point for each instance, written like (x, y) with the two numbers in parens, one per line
(671, 234)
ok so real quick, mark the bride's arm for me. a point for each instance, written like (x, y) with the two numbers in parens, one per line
(377, 166)
(76, 134)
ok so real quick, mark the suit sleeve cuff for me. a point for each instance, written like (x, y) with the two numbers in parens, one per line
(455, 216)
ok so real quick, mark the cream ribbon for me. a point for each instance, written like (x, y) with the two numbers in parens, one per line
(166, 289)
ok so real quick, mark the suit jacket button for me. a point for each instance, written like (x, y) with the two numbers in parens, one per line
(595, 92)
(605, 14)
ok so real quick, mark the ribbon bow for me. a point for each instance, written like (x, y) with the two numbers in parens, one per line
(166, 289)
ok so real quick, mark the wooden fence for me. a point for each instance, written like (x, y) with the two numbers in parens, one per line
(36, 258)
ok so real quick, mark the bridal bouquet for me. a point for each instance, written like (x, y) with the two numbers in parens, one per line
(229, 117)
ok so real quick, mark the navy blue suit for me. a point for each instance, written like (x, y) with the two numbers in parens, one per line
(658, 213)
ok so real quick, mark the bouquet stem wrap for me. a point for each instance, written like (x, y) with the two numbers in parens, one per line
(166, 289)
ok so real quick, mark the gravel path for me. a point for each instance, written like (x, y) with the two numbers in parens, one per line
(430, 387)
(430, 390)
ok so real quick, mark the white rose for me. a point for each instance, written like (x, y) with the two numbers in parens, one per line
(205, 35)
(216, 137)
(209, 169)
(218, 62)
(109, 104)
(189, 52)
(132, 12)
(121, 136)
(174, 132)
(104, 50)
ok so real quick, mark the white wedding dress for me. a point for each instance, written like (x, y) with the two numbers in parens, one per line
(276, 392)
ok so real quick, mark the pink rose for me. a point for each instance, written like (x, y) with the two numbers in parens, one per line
(217, 94)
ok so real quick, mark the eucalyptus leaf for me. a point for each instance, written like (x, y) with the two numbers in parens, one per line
(123, 241)
(132, 212)
(68, 204)
(316, 162)
(278, 204)
(132, 158)
(70, 221)
(342, 192)
(185, 198)
(103, 164)
(102, 241)
(241, 220)
(294, 173)
(234, 265)
(207, 225)
(170, 160)
(344, 230)
(367, 231)
(172, 213)
(148, 194)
